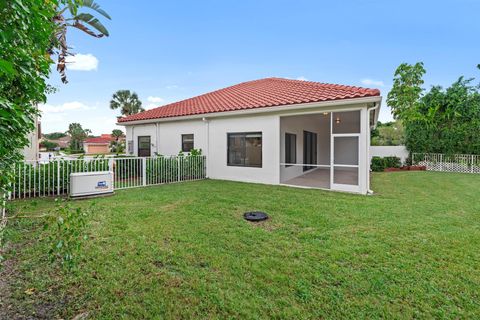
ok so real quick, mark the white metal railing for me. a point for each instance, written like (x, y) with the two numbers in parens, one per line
(42, 179)
(464, 163)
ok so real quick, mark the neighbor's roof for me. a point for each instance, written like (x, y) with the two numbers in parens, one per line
(269, 92)
(97, 140)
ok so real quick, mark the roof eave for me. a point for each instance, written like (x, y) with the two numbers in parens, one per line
(258, 110)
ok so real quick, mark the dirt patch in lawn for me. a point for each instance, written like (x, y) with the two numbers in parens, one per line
(18, 300)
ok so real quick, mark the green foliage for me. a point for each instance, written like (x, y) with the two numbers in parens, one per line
(117, 147)
(388, 134)
(406, 90)
(77, 135)
(26, 30)
(31, 31)
(128, 102)
(167, 169)
(49, 145)
(379, 164)
(393, 162)
(54, 135)
(117, 134)
(196, 152)
(68, 232)
(441, 120)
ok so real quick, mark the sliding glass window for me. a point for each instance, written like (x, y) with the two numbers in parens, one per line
(244, 149)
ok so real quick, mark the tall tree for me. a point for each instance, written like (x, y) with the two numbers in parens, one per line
(128, 102)
(406, 91)
(77, 135)
(69, 17)
(440, 120)
(32, 31)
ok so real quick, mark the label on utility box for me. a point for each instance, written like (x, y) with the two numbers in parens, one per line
(102, 185)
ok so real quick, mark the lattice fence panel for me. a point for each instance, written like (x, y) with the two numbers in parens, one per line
(463, 163)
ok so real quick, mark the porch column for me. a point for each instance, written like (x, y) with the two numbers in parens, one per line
(363, 152)
(277, 156)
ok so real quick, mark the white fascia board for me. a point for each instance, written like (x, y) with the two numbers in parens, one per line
(274, 109)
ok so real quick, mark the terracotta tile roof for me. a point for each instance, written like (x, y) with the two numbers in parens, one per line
(269, 92)
(99, 140)
(107, 136)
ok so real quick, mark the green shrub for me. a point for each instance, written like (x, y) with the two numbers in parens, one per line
(378, 164)
(393, 162)
(68, 227)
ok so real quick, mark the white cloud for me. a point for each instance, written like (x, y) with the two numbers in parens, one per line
(67, 106)
(302, 78)
(82, 62)
(96, 116)
(154, 102)
(370, 82)
(155, 99)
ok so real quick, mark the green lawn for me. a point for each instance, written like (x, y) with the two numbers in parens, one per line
(184, 251)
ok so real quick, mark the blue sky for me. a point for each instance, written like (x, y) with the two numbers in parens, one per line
(171, 50)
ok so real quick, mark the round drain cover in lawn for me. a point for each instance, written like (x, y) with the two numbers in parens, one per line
(255, 216)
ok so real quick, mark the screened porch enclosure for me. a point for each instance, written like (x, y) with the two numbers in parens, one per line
(322, 150)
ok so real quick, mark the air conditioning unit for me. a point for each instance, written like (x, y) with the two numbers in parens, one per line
(87, 184)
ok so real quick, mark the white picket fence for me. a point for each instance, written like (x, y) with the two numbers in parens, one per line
(42, 179)
(464, 163)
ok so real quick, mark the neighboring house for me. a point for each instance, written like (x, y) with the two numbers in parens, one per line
(97, 145)
(63, 142)
(112, 138)
(274, 131)
(31, 152)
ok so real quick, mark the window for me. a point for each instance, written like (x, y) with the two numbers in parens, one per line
(244, 149)
(144, 146)
(187, 142)
(290, 148)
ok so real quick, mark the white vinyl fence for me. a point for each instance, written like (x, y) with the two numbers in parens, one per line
(42, 179)
(464, 163)
(389, 151)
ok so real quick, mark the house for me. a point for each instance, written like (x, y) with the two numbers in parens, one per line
(111, 137)
(63, 142)
(97, 145)
(273, 131)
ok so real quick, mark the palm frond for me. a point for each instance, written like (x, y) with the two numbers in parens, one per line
(92, 21)
(80, 26)
(96, 7)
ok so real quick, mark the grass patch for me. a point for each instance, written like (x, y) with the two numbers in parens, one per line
(184, 251)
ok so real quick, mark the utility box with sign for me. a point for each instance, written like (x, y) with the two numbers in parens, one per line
(87, 184)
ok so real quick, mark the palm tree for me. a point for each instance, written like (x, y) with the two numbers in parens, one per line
(127, 102)
(77, 135)
(68, 17)
(117, 134)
